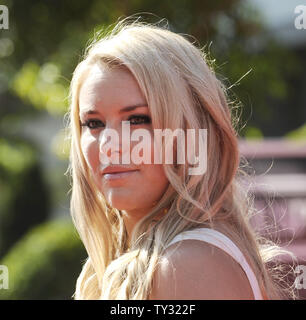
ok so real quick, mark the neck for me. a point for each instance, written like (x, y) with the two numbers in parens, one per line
(131, 218)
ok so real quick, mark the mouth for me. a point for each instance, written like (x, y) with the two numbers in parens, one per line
(119, 175)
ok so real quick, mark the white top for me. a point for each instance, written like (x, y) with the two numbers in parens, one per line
(221, 241)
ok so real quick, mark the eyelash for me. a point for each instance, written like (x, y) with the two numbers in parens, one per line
(146, 119)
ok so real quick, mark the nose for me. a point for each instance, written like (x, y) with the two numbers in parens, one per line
(111, 146)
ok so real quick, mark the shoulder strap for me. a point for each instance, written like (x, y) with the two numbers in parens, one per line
(221, 241)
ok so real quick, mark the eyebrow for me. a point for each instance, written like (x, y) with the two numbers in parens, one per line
(125, 109)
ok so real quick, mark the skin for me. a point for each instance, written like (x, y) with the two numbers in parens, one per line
(106, 92)
(210, 274)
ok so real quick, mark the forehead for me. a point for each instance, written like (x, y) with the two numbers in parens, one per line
(105, 88)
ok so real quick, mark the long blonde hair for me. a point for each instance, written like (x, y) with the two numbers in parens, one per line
(182, 91)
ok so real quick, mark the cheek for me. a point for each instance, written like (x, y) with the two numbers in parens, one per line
(90, 149)
(155, 181)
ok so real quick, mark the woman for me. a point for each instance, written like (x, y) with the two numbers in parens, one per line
(141, 222)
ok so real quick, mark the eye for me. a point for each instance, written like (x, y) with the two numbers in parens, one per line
(93, 124)
(139, 119)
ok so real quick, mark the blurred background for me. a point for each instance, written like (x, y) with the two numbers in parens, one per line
(259, 55)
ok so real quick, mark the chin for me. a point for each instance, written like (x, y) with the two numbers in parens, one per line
(120, 202)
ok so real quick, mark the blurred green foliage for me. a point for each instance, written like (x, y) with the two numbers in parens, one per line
(38, 86)
(15, 159)
(37, 64)
(24, 197)
(298, 134)
(253, 133)
(45, 263)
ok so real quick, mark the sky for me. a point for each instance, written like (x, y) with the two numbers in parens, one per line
(279, 17)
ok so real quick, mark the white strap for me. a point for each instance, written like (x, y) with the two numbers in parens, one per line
(221, 241)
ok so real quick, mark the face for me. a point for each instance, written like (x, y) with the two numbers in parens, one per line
(103, 101)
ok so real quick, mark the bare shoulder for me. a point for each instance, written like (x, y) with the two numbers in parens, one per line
(192, 269)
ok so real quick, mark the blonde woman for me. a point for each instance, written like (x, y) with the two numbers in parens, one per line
(153, 230)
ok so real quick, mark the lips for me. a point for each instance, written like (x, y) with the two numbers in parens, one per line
(117, 169)
(117, 172)
(119, 175)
